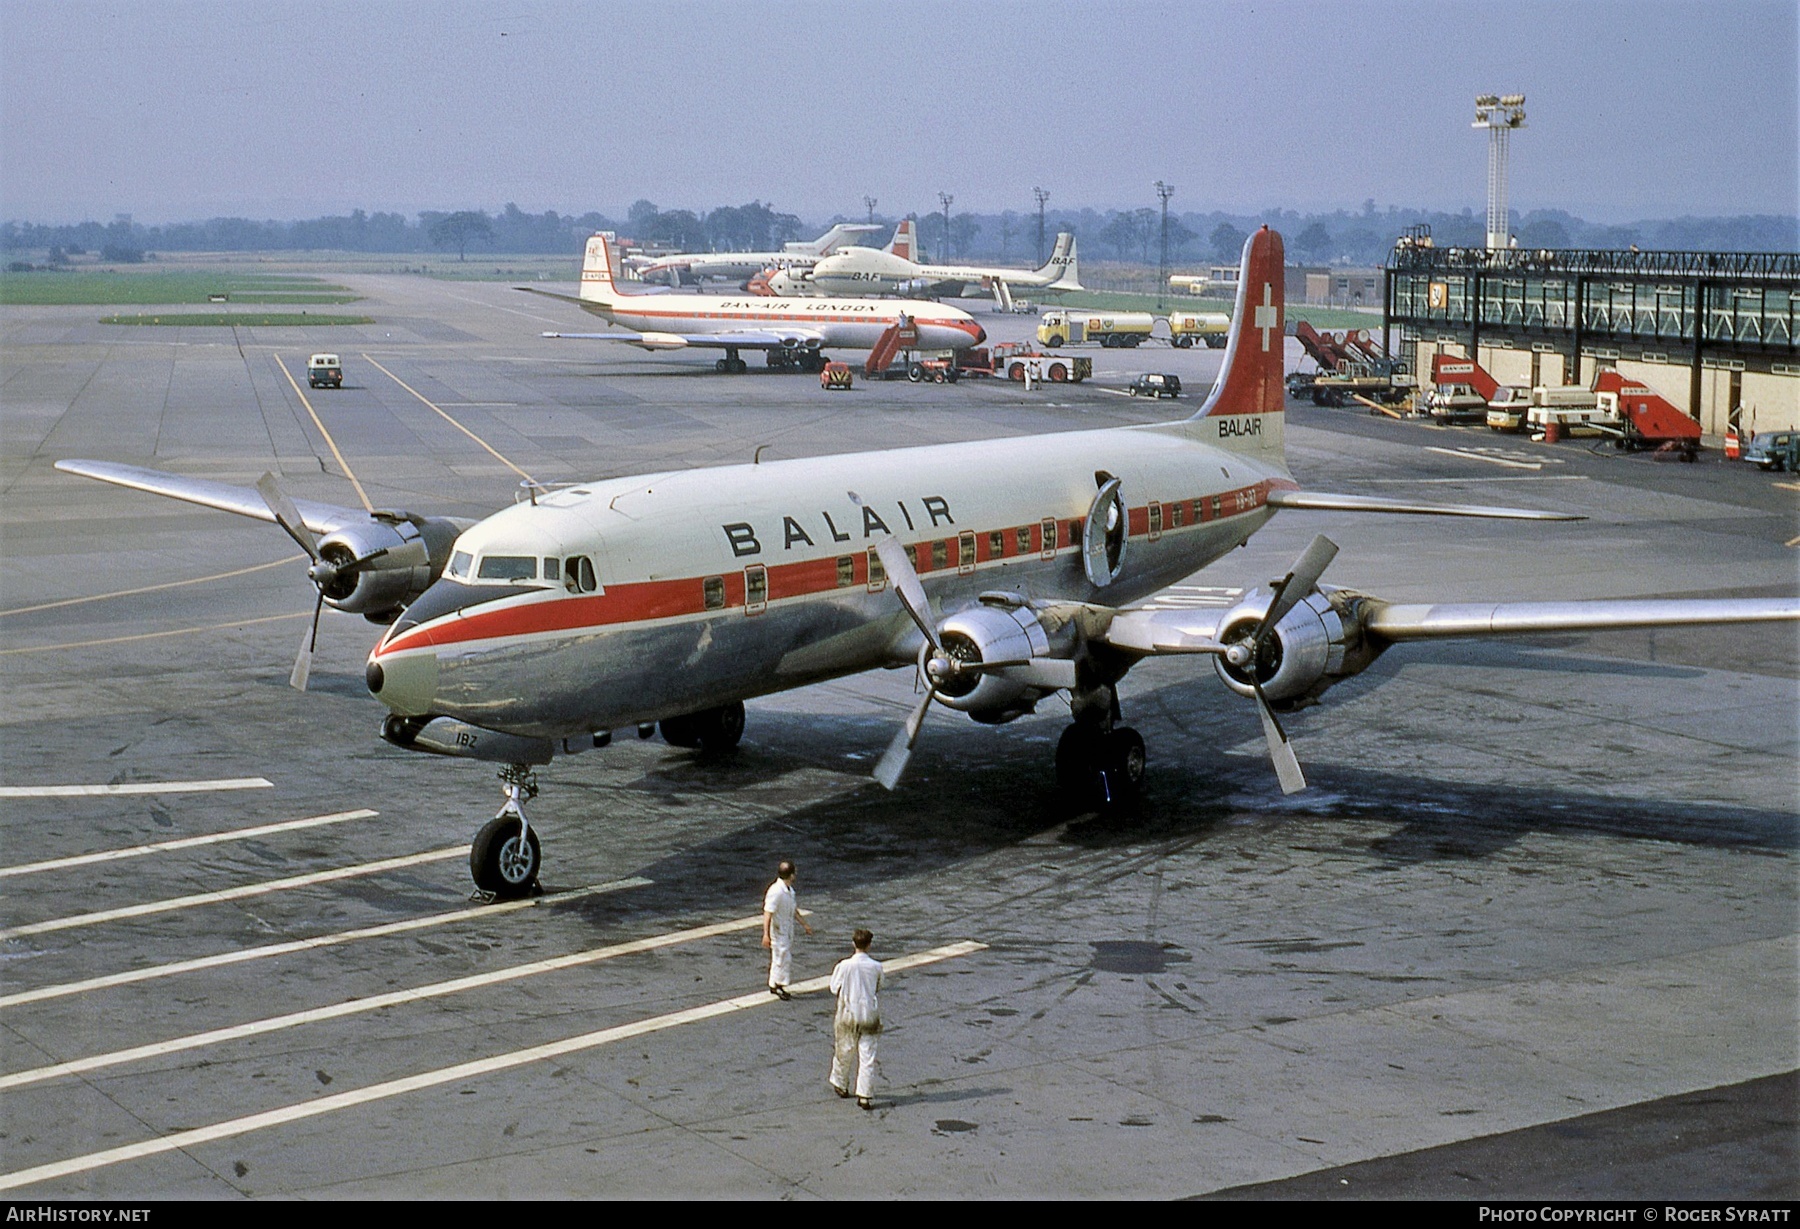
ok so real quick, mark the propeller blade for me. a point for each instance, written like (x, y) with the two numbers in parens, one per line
(287, 515)
(893, 761)
(1281, 751)
(303, 663)
(898, 565)
(1298, 582)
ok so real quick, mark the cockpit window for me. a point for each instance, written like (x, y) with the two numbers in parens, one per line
(552, 569)
(459, 564)
(578, 575)
(508, 567)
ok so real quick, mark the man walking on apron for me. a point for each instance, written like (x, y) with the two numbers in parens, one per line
(779, 915)
(857, 982)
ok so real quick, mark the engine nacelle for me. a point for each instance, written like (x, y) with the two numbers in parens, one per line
(377, 568)
(1315, 645)
(990, 633)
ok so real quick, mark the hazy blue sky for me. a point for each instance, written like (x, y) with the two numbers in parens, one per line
(179, 111)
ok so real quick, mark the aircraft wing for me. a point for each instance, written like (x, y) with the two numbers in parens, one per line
(243, 500)
(1156, 629)
(1321, 502)
(736, 339)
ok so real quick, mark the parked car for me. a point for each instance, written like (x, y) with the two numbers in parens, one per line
(1155, 384)
(835, 375)
(324, 371)
(1773, 449)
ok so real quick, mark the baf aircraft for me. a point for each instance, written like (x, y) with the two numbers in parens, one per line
(793, 332)
(862, 270)
(1004, 572)
(691, 267)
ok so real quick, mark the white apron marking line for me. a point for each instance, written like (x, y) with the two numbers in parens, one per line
(135, 787)
(241, 955)
(252, 889)
(355, 1007)
(183, 842)
(1476, 456)
(444, 1075)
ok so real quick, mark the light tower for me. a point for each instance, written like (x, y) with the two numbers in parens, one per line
(944, 199)
(1042, 196)
(1163, 192)
(871, 203)
(1499, 114)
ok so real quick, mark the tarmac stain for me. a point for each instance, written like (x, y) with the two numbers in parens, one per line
(1135, 956)
(952, 1126)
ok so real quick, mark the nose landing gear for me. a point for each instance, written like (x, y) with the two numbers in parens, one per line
(504, 857)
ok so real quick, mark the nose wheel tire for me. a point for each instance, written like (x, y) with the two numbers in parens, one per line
(500, 863)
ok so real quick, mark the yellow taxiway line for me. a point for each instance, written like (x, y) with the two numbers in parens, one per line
(171, 584)
(331, 443)
(179, 1140)
(179, 631)
(491, 450)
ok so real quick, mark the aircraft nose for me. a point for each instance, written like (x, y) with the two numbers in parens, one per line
(980, 336)
(405, 682)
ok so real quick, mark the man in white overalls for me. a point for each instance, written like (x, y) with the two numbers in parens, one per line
(779, 915)
(857, 983)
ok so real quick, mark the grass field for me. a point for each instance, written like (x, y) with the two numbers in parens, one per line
(248, 320)
(167, 286)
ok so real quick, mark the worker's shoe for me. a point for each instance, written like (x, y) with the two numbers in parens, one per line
(780, 992)
(842, 1092)
(865, 1103)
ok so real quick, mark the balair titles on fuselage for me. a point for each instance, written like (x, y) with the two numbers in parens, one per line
(744, 540)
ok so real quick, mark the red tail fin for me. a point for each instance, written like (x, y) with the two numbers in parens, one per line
(1253, 378)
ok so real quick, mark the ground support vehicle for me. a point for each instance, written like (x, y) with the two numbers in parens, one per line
(1507, 407)
(1641, 418)
(1113, 330)
(1350, 365)
(836, 375)
(1209, 328)
(1775, 450)
(1460, 390)
(1056, 368)
(324, 371)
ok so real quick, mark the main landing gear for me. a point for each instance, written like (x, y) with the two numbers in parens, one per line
(797, 358)
(504, 857)
(1100, 763)
(731, 364)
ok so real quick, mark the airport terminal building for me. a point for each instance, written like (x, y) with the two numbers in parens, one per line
(1713, 332)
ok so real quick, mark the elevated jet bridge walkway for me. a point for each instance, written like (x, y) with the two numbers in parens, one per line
(1722, 310)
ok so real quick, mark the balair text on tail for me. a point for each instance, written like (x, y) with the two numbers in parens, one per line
(1247, 406)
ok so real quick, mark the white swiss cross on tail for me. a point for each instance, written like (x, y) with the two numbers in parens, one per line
(1267, 316)
(1253, 379)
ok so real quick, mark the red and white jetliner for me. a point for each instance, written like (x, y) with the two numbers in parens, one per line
(1005, 572)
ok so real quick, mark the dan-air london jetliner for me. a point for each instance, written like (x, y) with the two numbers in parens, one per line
(1003, 571)
(793, 332)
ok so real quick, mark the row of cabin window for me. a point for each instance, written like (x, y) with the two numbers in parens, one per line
(576, 573)
(756, 577)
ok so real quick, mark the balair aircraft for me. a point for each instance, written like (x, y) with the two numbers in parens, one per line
(793, 332)
(1005, 572)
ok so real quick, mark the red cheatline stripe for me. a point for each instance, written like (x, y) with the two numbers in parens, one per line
(548, 611)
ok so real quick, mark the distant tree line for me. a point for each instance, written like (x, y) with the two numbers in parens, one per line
(1343, 237)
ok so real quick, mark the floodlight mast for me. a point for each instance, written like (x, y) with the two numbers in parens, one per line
(1499, 114)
